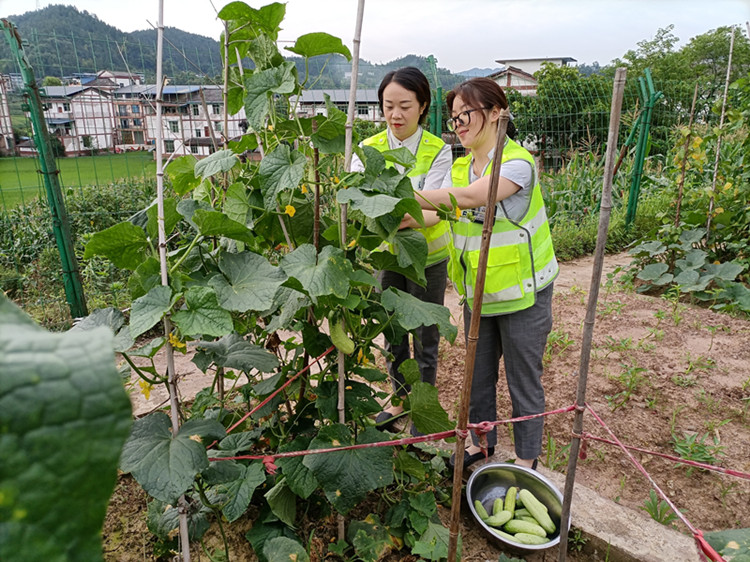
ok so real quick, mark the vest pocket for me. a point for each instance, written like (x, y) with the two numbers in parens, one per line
(504, 281)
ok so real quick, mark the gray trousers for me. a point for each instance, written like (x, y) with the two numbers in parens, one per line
(426, 338)
(520, 338)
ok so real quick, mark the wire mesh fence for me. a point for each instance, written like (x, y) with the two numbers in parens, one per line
(102, 120)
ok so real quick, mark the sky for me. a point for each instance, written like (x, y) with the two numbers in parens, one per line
(461, 34)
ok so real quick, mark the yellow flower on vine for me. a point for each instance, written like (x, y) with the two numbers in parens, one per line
(270, 128)
(304, 188)
(362, 358)
(352, 243)
(290, 210)
(336, 179)
(458, 212)
(145, 388)
(176, 343)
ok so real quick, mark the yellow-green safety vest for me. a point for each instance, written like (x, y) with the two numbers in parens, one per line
(521, 259)
(438, 236)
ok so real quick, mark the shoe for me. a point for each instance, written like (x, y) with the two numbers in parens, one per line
(470, 459)
(415, 432)
(533, 465)
(386, 421)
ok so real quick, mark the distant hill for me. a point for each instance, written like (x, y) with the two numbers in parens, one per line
(63, 41)
(471, 73)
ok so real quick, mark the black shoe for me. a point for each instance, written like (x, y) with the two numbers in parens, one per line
(470, 459)
(533, 465)
(415, 432)
(387, 421)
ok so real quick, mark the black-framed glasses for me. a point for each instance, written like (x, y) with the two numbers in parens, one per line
(462, 119)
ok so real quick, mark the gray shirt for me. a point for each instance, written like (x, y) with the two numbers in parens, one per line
(520, 172)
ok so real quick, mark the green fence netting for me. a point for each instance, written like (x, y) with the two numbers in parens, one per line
(104, 184)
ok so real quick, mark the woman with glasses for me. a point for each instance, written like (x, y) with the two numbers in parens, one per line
(404, 97)
(516, 314)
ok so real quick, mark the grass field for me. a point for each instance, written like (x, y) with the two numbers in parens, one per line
(20, 181)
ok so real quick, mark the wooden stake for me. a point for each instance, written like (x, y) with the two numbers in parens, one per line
(588, 326)
(473, 337)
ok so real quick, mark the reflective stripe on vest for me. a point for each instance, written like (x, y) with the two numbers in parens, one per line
(521, 259)
(438, 236)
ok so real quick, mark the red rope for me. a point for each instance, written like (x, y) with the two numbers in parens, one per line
(696, 464)
(697, 534)
(282, 387)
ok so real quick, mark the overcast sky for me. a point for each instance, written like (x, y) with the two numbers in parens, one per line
(462, 34)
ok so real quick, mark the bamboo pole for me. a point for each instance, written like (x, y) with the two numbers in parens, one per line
(171, 379)
(473, 337)
(342, 225)
(684, 158)
(618, 89)
(718, 140)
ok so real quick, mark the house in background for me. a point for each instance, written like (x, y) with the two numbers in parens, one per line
(515, 79)
(312, 103)
(6, 125)
(518, 74)
(82, 117)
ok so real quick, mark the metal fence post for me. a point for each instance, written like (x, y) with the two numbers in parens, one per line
(50, 173)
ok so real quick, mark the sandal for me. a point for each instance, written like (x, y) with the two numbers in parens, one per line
(386, 421)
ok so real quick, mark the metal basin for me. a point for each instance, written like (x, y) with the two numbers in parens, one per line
(492, 481)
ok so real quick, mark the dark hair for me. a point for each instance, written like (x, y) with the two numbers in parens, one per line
(481, 92)
(413, 80)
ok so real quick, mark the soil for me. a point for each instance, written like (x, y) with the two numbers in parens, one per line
(661, 371)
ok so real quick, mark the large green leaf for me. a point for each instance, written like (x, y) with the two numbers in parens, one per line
(653, 271)
(284, 549)
(234, 352)
(171, 218)
(433, 544)
(216, 163)
(358, 400)
(330, 137)
(300, 479)
(124, 244)
(410, 248)
(287, 302)
(181, 171)
(64, 417)
(727, 271)
(215, 223)
(411, 312)
(347, 476)
(145, 277)
(203, 315)
(426, 412)
(260, 85)
(283, 502)
(147, 310)
(325, 274)
(401, 156)
(236, 204)
(165, 466)
(314, 44)
(239, 492)
(267, 18)
(249, 282)
(110, 318)
(372, 206)
(281, 170)
(732, 544)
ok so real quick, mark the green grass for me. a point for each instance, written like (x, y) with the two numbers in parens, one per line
(21, 182)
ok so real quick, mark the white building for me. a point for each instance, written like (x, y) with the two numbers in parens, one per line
(82, 117)
(6, 125)
(312, 102)
(530, 66)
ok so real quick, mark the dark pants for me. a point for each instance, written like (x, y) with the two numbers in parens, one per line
(426, 338)
(520, 338)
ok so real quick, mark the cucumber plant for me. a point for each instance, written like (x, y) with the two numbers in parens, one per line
(258, 248)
